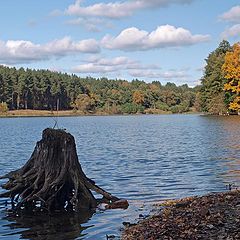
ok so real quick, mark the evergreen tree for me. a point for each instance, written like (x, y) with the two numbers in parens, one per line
(213, 80)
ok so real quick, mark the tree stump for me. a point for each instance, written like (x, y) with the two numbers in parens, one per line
(52, 178)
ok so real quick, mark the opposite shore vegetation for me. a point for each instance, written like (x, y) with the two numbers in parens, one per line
(25, 92)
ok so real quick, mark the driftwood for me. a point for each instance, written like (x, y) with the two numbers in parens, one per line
(53, 179)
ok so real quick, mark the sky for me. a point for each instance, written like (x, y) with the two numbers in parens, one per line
(150, 40)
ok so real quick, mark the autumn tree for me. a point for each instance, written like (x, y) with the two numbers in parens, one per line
(231, 71)
(138, 97)
(85, 103)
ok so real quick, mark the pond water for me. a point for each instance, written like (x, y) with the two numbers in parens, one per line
(141, 158)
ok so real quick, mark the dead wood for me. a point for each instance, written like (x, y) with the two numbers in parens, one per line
(52, 178)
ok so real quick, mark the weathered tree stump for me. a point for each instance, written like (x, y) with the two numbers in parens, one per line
(52, 178)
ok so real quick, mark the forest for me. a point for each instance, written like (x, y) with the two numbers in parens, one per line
(46, 90)
(219, 92)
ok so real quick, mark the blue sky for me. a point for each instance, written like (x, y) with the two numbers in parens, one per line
(164, 40)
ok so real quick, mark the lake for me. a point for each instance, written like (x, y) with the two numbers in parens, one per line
(141, 158)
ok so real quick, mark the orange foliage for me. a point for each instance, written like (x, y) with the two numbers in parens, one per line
(138, 97)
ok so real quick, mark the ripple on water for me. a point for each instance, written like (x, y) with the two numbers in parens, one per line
(141, 158)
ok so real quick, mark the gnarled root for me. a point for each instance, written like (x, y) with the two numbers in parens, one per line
(52, 178)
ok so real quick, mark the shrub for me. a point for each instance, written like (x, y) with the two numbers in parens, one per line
(3, 107)
(130, 108)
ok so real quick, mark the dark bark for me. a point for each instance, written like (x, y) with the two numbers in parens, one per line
(53, 177)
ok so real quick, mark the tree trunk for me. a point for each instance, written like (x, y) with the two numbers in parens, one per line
(18, 101)
(53, 177)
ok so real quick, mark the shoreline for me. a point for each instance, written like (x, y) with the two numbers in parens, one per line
(212, 216)
(71, 113)
(46, 113)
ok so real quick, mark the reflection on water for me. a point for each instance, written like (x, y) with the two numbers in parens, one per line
(140, 158)
(230, 143)
(41, 226)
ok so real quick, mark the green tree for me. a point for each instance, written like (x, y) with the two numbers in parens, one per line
(43, 89)
(213, 79)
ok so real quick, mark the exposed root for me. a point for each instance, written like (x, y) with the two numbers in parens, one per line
(53, 177)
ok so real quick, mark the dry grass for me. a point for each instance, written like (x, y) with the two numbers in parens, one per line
(38, 113)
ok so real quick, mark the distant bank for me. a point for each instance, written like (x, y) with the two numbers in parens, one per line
(43, 113)
(47, 113)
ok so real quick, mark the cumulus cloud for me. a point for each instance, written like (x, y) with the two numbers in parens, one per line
(133, 39)
(106, 65)
(233, 31)
(233, 15)
(124, 65)
(21, 51)
(139, 73)
(117, 9)
(92, 68)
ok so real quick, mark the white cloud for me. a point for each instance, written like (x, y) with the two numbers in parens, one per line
(90, 24)
(117, 9)
(124, 65)
(233, 31)
(92, 68)
(106, 65)
(233, 15)
(139, 73)
(21, 51)
(133, 39)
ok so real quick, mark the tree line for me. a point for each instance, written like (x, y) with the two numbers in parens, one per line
(47, 90)
(220, 89)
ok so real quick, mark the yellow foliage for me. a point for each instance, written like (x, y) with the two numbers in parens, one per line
(231, 67)
(235, 105)
(231, 70)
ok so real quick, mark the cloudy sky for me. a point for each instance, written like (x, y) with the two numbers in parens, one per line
(165, 40)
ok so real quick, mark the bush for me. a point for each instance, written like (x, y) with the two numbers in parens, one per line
(162, 106)
(130, 108)
(181, 108)
(3, 107)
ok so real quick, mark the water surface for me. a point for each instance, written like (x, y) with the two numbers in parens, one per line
(141, 158)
